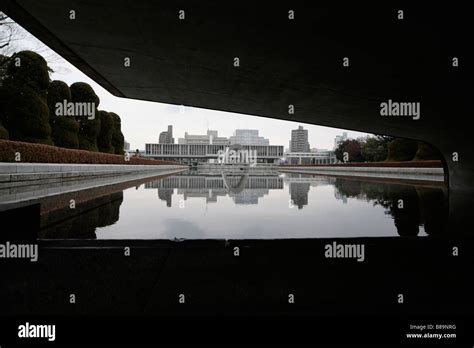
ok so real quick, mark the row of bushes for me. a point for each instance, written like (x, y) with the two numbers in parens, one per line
(385, 148)
(28, 112)
(40, 153)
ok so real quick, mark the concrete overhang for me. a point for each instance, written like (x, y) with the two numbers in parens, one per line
(282, 61)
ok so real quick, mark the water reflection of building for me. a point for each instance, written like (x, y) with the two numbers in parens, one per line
(299, 193)
(300, 184)
(210, 187)
(307, 179)
(166, 195)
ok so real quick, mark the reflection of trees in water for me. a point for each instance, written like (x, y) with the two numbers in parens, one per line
(348, 188)
(109, 213)
(421, 205)
(99, 212)
(433, 210)
(407, 219)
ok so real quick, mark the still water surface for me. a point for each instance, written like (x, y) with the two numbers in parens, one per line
(197, 206)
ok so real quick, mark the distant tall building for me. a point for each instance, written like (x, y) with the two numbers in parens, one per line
(126, 146)
(299, 140)
(339, 139)
(166, 137)
(248, 137)
(211, 138)
(299, 143)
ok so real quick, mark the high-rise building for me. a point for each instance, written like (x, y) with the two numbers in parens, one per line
(166, 137)
(211, 138)
(339, 139)
(299, 140)
(248, 137)
(299, 143)
(126, 146)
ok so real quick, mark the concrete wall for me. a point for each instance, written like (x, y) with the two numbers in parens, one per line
(429, 174)
(35, 189)
(21, 174)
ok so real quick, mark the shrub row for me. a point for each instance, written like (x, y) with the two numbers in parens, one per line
(39, 153)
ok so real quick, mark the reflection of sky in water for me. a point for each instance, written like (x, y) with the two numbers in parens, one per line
(320, 209)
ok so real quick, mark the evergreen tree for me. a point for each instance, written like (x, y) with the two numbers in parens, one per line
(25, 84)
(427, 152)
(117, 136)
(401, 149)
(3, 132)
(104, 140)
(88, 128)
(64, 128)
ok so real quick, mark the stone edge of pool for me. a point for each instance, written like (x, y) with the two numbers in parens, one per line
(21, 174)
(409, 173)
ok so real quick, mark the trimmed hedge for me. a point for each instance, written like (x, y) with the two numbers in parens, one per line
(28, 117)
(118, 139)
(104, 140)
(64, 129)
(82, 92)
(39, 153)
(26, 113)
(27, 68)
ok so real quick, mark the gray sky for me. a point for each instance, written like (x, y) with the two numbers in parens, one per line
(143, 121)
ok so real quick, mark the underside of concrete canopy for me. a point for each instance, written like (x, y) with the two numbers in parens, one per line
(258, 58)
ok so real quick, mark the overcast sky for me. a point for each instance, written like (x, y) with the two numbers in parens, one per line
(143, 121)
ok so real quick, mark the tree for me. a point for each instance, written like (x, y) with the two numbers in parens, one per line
(351, 147)
(88, 128)
(401, 149)
(14, 38)
(427, 152)
(3, 98)
(339, 150)
(28, 69)
(64, 128)
(9, 31)
(375, 149)
(104, 140)
(3, 132)
(117, 136)
(26, 114)
(3, 67)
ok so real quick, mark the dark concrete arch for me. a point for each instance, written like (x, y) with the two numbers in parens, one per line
(282, 62)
